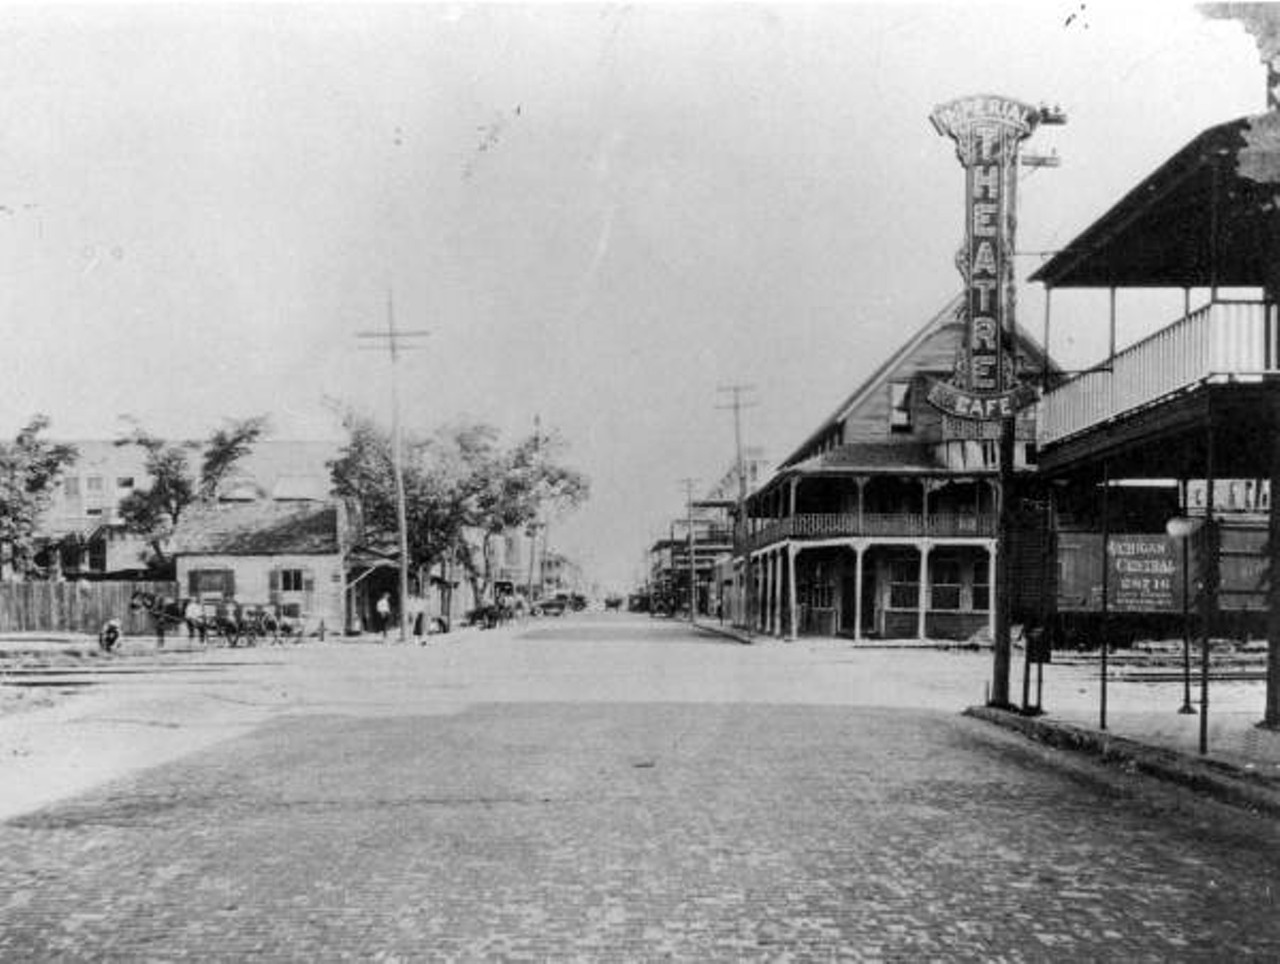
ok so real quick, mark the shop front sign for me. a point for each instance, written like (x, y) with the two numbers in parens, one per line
(988, 132)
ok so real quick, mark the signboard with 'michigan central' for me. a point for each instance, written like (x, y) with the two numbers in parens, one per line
(988, 132)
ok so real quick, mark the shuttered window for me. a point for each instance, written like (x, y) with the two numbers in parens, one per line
(282, 581)
(202, 583)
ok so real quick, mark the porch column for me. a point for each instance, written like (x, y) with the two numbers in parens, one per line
(765, 591)
(792, 629)
(762, 596)
(762, 581)
(766, 625)
(1271, 711)
(857, 591)
(775, 624)
(862, 486)
(923, 595)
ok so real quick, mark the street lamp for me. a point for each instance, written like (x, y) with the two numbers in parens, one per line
(1181, 529)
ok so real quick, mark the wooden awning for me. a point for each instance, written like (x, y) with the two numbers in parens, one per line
(1207, 217)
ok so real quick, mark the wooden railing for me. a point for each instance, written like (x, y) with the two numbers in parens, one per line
(851, 525)
(1224, 338)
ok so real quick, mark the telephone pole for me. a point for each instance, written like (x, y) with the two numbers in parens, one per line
(693, 574)
(741, 542)
(395, 341)
(533, 526)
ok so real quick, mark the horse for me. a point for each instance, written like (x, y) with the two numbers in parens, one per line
(261, 621)
(165, 612)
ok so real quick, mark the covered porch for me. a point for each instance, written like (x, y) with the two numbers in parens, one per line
(875, 588)
(1200, 398)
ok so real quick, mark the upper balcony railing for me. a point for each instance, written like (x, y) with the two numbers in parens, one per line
(912, 525)
(1224, 338)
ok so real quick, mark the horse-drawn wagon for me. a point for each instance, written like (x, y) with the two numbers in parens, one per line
(225, 623)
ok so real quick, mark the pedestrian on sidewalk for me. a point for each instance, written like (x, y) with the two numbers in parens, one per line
(194, 617)
(418, 618)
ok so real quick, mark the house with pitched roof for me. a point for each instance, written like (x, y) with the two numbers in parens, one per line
(290, 556)
(82, 527)
(882, 523)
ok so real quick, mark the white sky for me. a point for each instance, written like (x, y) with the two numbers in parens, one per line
(600, 213)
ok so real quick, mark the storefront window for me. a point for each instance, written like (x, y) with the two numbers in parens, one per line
(944, 592)
(981, 586)
(904, 583)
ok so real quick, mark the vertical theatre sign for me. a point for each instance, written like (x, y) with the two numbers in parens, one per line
(988, 132)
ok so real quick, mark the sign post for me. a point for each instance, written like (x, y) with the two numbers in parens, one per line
(988, 132)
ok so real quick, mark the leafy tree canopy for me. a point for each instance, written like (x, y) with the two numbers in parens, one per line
(29, 468)
(154, 512)
(457, 479)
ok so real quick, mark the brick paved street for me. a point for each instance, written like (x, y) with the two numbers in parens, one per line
(611, 789)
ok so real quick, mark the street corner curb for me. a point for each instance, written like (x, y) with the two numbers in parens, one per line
(727, 632)
(1221, 781)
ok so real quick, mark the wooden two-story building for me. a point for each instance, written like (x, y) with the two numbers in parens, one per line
(883, 522)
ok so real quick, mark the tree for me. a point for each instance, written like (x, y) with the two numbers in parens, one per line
(527, 485)
(154, 512)
(438, 476)
(29, 469)
(456, 480)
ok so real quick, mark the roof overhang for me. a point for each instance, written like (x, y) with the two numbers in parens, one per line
(1205, 218)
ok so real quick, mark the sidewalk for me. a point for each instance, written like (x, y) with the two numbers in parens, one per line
(1144, 732)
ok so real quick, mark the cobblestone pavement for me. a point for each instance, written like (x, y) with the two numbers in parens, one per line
(593, 791)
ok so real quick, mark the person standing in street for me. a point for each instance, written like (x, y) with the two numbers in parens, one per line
(384, 613)
(193, 615)
(417, 610)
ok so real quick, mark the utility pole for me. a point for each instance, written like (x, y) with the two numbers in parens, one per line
(396, 341)
(742, 545)
(693, 575)
(533, 526)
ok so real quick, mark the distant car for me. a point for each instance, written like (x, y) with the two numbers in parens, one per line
(555, 606)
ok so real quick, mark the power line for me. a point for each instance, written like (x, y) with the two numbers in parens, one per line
(688, 498)
(394, 341)
(737, 405)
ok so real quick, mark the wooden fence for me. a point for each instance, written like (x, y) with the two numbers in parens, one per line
(75, 607)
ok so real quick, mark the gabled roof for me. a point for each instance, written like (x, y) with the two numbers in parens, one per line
(877, 378)
(258, 529)
(1203, 218)
(951, 314)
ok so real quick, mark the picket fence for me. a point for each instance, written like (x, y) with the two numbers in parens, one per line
(75, 607)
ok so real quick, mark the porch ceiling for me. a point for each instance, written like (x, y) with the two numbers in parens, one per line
(1172, 440)
(1223, 184)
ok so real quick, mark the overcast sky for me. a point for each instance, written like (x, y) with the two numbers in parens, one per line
(599, 213)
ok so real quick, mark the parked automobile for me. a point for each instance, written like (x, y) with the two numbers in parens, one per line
(552, 606)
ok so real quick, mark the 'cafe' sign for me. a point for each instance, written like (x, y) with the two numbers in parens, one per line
(988, 131)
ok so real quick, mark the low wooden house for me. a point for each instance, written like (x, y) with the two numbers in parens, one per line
(290, 556)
